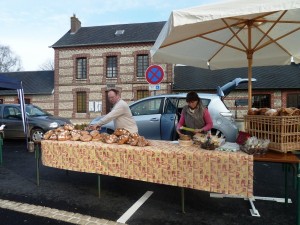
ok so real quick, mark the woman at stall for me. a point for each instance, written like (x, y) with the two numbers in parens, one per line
(194, 115)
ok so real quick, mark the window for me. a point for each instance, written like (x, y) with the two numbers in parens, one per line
(81, 102)
(81, 68)
(293, 100)
(142, 65)
(26, 100)
(142, 94)
(111, 67)
(1, 101)
(147, 107)
(261, 101)
(11, 112)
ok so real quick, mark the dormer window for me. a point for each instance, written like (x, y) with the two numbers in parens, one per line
(119, 32)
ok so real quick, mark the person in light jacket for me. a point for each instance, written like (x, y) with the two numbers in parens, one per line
(120, 114)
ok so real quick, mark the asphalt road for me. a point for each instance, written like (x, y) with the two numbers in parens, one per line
(76, 192)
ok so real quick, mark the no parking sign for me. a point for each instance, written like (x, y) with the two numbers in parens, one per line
(154, 74)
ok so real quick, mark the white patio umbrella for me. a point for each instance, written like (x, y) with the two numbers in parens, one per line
(232, 34)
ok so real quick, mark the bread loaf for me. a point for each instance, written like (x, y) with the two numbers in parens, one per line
(84, 132)
(253, 111)
(69, 127)
(48, 134)
(296, 112)
(262, 111)
(272, 112)
(286, 111)
(123, 139)
(94, 133)
(111, 139)
(121, 131)
(63, 136)
(53, 137)
(86, 137)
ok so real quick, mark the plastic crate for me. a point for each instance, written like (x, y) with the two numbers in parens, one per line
(282, 131)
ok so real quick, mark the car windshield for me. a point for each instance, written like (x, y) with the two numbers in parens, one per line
(35, 111)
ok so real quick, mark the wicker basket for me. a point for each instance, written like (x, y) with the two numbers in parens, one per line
(282, 131)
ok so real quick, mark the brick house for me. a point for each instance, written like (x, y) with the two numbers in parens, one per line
(91, 60)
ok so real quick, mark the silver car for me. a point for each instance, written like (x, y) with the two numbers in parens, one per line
(157, 116)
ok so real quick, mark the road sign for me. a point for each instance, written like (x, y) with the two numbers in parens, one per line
(154, 87)
(154, 74)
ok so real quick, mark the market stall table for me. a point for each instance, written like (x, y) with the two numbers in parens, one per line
(162, 162)
(285, 158)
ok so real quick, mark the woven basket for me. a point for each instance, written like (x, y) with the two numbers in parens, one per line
(282, 131)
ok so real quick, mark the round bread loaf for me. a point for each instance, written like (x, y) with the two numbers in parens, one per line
(86, 137)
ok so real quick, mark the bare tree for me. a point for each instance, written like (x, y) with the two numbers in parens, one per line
(9, 62)
(48, 65)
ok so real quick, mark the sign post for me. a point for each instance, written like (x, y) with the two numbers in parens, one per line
(154, 75)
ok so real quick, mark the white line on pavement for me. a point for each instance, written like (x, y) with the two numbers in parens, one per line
(134, 207)
(52, 213)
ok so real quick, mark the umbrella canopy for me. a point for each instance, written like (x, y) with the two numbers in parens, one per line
(232, 34)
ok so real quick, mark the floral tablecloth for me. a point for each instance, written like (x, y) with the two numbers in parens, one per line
(163, 162)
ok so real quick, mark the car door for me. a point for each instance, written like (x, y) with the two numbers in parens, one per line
(12, 118)
(169, 119)
(147, 115)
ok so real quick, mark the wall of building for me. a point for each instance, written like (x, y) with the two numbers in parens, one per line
(96, 84)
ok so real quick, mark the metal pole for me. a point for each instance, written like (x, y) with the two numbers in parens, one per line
(37, 157)
(1, 144)
(182, 200)
(99, 187)
(285, 184)
(298, 194)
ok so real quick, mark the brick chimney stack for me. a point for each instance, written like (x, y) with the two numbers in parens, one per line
(75, 24)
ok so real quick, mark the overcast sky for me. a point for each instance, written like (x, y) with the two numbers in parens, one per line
(29, 27)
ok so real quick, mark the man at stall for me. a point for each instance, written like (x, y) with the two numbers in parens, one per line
(120, 114)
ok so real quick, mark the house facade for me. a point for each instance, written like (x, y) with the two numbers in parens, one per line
(91, 60)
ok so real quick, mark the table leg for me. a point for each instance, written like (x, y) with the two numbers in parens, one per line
(285, 184)
(1, 144)
(182, 200)
(37, 158)
(298, 194)
(99, 187)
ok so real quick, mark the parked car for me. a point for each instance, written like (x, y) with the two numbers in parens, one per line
(39, 121)
(157, 116)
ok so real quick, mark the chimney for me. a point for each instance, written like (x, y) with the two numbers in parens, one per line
(75, 24)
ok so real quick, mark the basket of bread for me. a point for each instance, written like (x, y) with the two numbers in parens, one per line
(281, 126)
(208, 141)
(185, 140)
(253, 145)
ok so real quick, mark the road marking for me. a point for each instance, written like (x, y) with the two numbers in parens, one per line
(52, 213)
(134, 207)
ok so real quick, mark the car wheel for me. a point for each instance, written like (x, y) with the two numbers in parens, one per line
(36, 134)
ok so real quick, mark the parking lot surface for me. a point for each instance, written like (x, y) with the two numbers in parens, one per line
(72, 197)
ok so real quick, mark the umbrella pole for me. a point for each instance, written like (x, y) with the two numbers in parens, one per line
(250, 82)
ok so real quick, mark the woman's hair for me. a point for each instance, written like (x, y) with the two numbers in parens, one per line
(192, 96)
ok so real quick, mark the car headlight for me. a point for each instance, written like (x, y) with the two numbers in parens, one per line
(54, 125)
